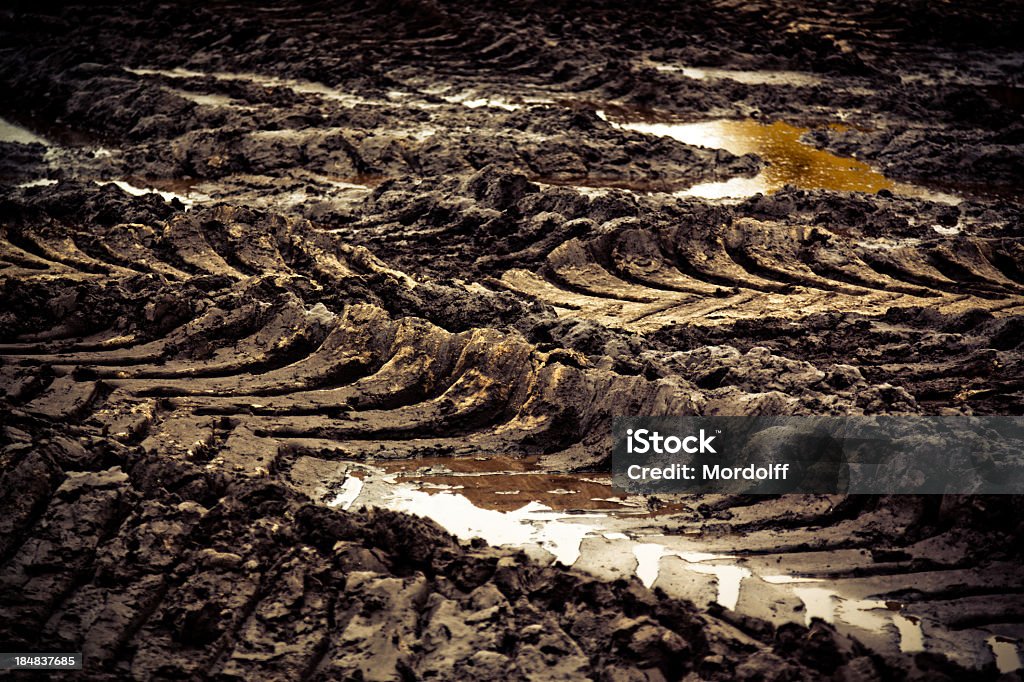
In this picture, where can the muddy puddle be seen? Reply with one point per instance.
(580, 521)
(12, 132)
(504, 484)
(188, 198)
(26, 129)
(789, 160)
(752, 77)
(473, 100)
(303, 87)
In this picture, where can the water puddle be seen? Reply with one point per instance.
(471, 100)
(348, 493)
(295, 85)
(791, 78)
(504, 484)
(790, 161)
(872, 615)
(38, 182)
(533, 523)
(911, 634)
(167, 196)
(496, 499)
(11, 132)
(1006, 653)
(578, 521)
(349, 186)
(728, 577)
(204, 99)
(50, 134)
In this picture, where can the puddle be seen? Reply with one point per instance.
(203, 99)
(648, 558)
(26, 130)
(818, 603)
(504, 484)
(733, 188)
(786, 579)
(789, 160)
(295, 85)
(527, 526)
(911, 634)
(510, 502)
(38, 182)
(344, 185)
(792, 78)
(727, 576)
(471, 101)
(348, 493)
(873, 615)
(140, 191)
(10, 132)
(533, 523)
(1006, 653)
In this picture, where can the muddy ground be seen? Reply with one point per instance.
(314, 318)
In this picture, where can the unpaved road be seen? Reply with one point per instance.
(273, 278)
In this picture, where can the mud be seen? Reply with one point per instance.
(314, 318)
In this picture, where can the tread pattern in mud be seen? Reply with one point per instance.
(445, 251)
(226, 345)
(148, 517)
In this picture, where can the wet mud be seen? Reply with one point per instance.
(314, 319)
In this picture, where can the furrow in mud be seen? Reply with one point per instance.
(276, 280)
(260, 376)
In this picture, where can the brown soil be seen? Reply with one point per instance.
(413, 245)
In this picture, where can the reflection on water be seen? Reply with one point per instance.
(1006, 654)
(790, 161)
(872, 615)
(204, 99)
(499, 499)
(38, 182)
(531, 523)
(9, 132)
(26, 129)
(348, 493)
(911, 634)
(506, 484)
(469, 101)
(728, 577)
(140, 191)
(791, 78)
(293, 84)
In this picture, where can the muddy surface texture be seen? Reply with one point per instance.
(314, 319)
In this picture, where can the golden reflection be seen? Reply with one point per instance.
(790, 161)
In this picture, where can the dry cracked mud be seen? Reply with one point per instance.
(314, 318)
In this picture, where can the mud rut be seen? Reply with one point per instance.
(399, 250)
